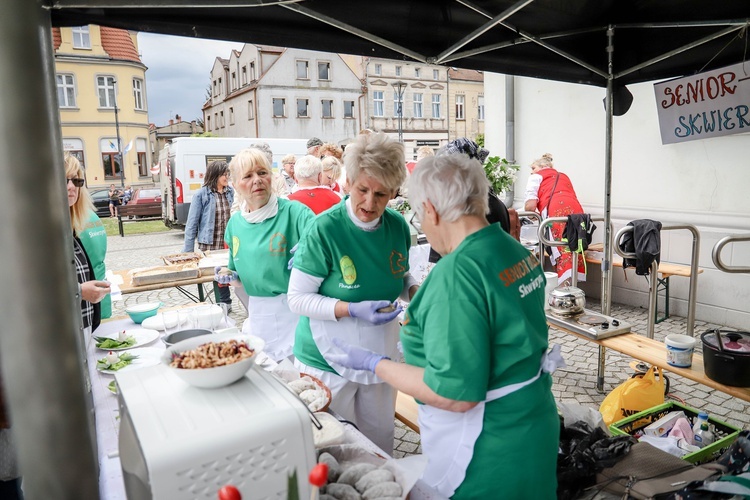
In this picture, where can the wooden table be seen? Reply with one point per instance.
(637, 346)
(654, 353)
(128, 287)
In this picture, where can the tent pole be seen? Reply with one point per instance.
(40, 338)
(607, 261)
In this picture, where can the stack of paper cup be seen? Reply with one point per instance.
(551, 285)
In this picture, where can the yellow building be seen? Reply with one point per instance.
(97, 67)
(466, 103)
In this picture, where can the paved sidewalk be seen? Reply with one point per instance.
(576, 383)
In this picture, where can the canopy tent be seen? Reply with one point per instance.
(597, 42)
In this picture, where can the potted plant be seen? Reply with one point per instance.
(501, 174)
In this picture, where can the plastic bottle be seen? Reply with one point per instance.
(702, 418)
(704, 436)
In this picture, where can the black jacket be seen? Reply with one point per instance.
(645, 242)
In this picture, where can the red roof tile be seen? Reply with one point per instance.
(118, 44)
(465, 74)
(56, 38)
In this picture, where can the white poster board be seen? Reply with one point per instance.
(709, 104)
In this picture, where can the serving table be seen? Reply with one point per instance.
(106, 408)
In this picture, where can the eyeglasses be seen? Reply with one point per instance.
(76, 182)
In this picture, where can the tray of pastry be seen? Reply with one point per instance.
(182, 258)
(163, 274)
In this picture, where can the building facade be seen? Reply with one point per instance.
(466, 103)
(285, 93)
(98, 69)
(161, 136)
(421, 90)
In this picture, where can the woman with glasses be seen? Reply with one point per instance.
(91, 290)
(475, 341)
(349, 269)
(208, 217)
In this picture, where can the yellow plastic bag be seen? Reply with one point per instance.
(635, 394)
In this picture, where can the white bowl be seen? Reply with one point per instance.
(207, 317)
(209, 378)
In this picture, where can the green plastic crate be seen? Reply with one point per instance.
(724, 433)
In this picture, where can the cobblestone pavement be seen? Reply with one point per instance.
(576, 383)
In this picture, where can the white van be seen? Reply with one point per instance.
(183, 164)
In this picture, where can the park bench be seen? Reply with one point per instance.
(140, 212)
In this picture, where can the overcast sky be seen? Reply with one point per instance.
(178, 73)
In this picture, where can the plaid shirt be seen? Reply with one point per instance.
(220, 222)
(84, 274)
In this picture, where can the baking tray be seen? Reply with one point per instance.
(163, 274)
(177, 259)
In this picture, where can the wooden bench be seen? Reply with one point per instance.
(141, 212)
(406, 411)
(666, 270)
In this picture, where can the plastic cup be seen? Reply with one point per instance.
(680, 350)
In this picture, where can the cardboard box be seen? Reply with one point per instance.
(661, 427)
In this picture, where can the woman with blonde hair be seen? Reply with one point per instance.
(551, 194)
(331, 174)
(261, 236)
(91, 290)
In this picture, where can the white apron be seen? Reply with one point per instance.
(270, 319)
(381, 339)
(448, 437)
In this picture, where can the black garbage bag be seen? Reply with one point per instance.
(583, 452)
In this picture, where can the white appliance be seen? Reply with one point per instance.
(181, 442)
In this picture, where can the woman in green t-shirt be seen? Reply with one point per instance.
(475, 344)
(352, 263)
(261, 237)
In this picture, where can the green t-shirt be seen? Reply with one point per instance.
(355, 265)
(94, 241)
(477, 323)
(260, 252)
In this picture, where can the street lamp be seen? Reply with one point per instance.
(398, 88)
(117, 131)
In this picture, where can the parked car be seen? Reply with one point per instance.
(100, 197)
(147, 195)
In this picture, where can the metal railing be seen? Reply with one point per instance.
(653, 278)
(533, 215)
(559, 243)
(716, 253)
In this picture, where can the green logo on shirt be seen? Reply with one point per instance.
(348, 271)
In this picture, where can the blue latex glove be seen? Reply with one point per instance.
(355, 358)
(224, 280)
(368, 310)
(290, 264)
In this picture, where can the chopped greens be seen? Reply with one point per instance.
(124, 360)
(109, 343)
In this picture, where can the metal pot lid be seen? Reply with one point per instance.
(567, 291)
(731, 341)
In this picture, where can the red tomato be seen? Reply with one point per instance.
(318, 475)
(229, 492)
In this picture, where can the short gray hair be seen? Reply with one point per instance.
(455, 184)
(263, 146)
(378, 156)
(307, 167)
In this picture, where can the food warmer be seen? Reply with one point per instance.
(178, 441)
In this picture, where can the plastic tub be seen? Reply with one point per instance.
(680, 350)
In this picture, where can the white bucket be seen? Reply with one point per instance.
(679, 350)
(551, 285)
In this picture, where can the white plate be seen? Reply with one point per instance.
(157, 322)
(142, 336)
(147, 356)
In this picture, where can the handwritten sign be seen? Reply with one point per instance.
(710, 104)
